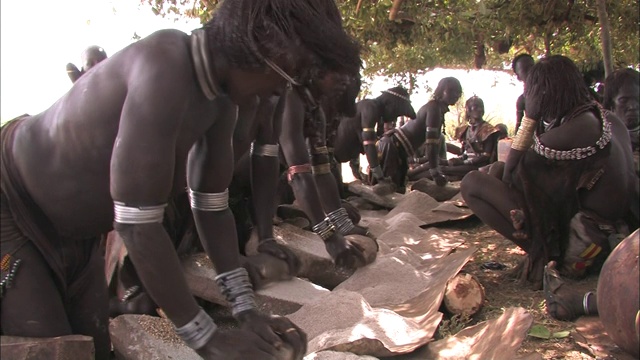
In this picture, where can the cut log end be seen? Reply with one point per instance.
(464, 295)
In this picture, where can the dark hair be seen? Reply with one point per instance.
(444, 84)
(615, 81)
(553, 88)
(523, 56)
(248, 31)
(473, 99)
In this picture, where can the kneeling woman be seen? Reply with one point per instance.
(568, 183)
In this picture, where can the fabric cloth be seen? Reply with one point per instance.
(393, 159)
(591, 239)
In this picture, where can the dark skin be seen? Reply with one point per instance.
(304, 185)
(456, 166)
(431, 115)
(349, 142)
(488, 195)
(91, 56)
(626, 105)
(139, 144)
(521, 69)
(269, 118)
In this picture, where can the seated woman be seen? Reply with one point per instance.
(568, 182)
(622, 96)
(479, 141)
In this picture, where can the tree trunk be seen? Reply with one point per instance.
(394, 9)
(605, 37)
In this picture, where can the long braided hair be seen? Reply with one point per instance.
(246, 32)
(554, 88)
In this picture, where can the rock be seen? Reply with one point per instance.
(344, 321)
(316, 263)
(429, 244)
(366, 192)
(368, 245)
(290, 211)
(428, 210)
(618, 296)
(302, 223)
(389, 281)
(335, 355)
(464, 295)
(142, 337)
(74, 347)
(376, 225)
(286, 297)
(280, 298)
(361, 203)
(440, 193)
(494, 339)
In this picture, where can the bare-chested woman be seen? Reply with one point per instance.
(113, 151)
(568, 182)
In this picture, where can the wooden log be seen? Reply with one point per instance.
(464, 295)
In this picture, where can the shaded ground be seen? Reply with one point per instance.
(503, 293)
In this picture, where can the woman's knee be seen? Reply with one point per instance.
(471, 183)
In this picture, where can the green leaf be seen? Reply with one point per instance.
(560, 334)
(540, 332)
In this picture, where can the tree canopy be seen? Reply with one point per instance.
(468, 33)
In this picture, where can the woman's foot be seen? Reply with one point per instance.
(562, 302)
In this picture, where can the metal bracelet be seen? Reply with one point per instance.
(209, 201)
(270, 150)
(585, 302)
(197, 332)
(368, 130)
(324, 229)
(124, 214)
(236, 287)
(341, 220)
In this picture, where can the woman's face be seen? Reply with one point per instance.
(475, 111)
(626, 103)
(451, 94)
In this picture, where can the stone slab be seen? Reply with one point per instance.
(278, 298)
(428, 210)
(142, 337)
(70, 347)
(316, 263)
(344, 321)
(493, 339)
(366, 192)
(440, 193)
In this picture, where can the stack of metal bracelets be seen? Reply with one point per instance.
(237, 289)
(324, 229)
(524, 137)
(197, 332)
(341, 220)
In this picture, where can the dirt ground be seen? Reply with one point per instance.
(502, 293)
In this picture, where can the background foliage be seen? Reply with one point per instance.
(468, 33)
